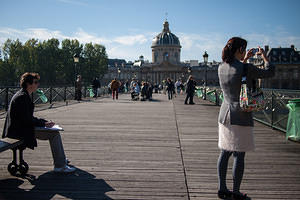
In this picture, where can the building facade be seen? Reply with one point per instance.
(166, 47)
(287, 63)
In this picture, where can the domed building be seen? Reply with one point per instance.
(166, 46)
(166, 63)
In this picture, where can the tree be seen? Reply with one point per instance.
(54, 64)
(95, 61)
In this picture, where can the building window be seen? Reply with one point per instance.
(296, 73)
(176, 57)
(166, 56)
(155, 57)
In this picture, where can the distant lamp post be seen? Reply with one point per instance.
(76, 60)
(205, 59)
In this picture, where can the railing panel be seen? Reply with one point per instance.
(53, 94)
(275, 113)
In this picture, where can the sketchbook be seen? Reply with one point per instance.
(53, 128)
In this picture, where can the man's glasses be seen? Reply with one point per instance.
(36, 82)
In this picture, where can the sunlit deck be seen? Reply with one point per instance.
(148, 150)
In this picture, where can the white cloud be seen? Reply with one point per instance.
(74, 2)
(131, 39)
(85, 37)
(136, 43)
(194, 45)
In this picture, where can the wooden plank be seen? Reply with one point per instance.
(131, 150)
(271, 171)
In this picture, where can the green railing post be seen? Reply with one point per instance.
(50, 96)
(272, 108)
(65, 93)
(216, 95)
(84, 93)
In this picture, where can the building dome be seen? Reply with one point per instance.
(165, 37)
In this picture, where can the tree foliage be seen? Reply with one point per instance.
(52, 60)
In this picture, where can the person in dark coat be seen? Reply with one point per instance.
(78, 87)
(190, 90)
(95, 85)
(170, 88)
(235, 126)
(20, 123)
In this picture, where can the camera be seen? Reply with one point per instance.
(255, 50)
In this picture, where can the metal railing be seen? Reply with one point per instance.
(53, 94)
(275, 113)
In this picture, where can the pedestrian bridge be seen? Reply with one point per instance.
(148, 150)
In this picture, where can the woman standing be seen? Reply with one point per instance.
(235, 126)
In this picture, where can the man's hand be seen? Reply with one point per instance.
(49, 124)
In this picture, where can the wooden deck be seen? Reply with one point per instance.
(148, 150)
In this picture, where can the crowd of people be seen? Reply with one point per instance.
(141, 90)
(144, 90)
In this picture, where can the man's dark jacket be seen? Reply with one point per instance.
(19, 122)
(96, 83)
(190, 86)
(170, 86)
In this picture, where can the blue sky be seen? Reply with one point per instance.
(127, 27)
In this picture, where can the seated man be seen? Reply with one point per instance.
(135, 92)
(20, 123)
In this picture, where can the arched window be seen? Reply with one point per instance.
(176, 57)
(166, 56)
(155, 57)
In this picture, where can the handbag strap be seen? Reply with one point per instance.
(244, 74)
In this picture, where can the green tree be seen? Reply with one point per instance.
(94, 61)
(55, 64)
(69, 48)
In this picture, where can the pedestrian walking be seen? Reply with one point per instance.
(114, 86)
(236, 126)
(78, 87)
(190, 90)
(95, 86)
(170, 87)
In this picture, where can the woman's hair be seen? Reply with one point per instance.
(234, 44)
(28, 78)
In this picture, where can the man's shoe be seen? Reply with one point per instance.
(185, 103)
(240, 196)
(65, 169)
(192, 103)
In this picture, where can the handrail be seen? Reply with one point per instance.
(53, 94)
(275, 113)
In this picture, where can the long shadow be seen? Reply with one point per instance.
(79, 185)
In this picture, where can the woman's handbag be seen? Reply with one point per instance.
(251, 100)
